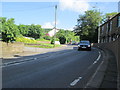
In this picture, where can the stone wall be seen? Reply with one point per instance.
(114, 46)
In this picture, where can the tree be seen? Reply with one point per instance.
(35, 31)
(108, 16)
(65, 36)
(87, 25)
(9, 30)
(23, 29)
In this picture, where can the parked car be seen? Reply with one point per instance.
(84, 45)
(73, 43)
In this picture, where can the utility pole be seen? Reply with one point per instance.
(99, 31)
(55, 25)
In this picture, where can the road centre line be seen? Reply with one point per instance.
(75, 81)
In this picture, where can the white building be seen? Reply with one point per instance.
(52, 32)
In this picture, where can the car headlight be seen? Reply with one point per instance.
(88, 45)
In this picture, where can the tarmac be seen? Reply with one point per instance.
(104, 77)
(28, 51)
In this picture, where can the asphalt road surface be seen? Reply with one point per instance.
(68, 68)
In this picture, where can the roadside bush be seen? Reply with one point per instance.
(62, 40)
(25, 40)
(52, 41)
(56, 39)
(47, 37)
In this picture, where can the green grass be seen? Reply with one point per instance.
(42, 39)
(44, 45)
(39, 45)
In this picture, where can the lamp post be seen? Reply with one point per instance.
(55, 25)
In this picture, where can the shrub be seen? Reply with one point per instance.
(52, 41)
(47, 37)
(62, 40)
(25, 40)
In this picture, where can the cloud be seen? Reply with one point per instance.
(49, 24)
(75, 5)
(70, 29)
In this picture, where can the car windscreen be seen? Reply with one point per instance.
(85, 42)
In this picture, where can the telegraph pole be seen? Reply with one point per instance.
(55, 25)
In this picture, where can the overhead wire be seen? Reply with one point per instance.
(31, 9)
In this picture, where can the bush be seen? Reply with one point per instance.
(56, 39)
(62, 40)
(25, 40)
(47, 38)
(52, 41)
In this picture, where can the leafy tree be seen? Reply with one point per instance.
(108, 16)
(9, 30)
(65, 36)
(35, 31)
(46, 37)
(87, 25)
(23, 29)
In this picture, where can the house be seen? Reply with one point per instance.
(110, 30)
(52, 32)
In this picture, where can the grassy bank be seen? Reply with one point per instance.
(40, 43)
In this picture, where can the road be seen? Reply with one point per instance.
(68, 68)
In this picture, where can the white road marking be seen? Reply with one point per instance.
(16, 62)
(97, 58)
(94, 74)
(75, 81)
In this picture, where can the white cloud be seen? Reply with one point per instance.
(53, 23)
(70, 29)
(49, 24)
(74, 5)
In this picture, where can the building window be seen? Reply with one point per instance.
(110, 26)
(102, 29)
(118, 21)
(107, 28)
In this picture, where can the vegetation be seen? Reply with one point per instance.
(41, 45)
(108, 16)
(9, 29)
(86, 29)
(87, 25)
(66, 36)
(12, 32)
(25, 40)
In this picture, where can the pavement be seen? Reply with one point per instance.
(105, 76)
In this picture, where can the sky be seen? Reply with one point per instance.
(43, 13)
